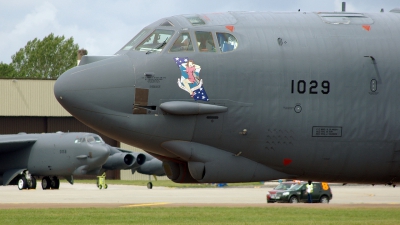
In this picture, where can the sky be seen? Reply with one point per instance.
(103, 27)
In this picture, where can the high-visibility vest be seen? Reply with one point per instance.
(309, 188)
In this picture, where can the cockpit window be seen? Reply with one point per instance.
(79, 140)
(155, 41)
(345, 18)
(136, 39)
(227, 42)
(167, 24)
(98, 139)
(90, 139)
(195, 20)
(183, 43)
(205, 41)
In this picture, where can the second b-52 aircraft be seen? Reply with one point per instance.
(24, 157)
(252, 96)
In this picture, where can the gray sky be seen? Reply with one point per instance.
(103, 27)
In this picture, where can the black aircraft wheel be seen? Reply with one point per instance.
(324, 199)
(55, 183)
(46, 183)
(105, 186)
(293, 199)
(32, 184)
(100, 187)
(149, 185)
(22, 183)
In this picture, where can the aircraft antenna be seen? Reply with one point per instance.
(343, 6)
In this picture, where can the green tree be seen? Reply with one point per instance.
(45, 59)
(7, 71)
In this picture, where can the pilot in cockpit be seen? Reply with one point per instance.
(183, 43)
(205, 41)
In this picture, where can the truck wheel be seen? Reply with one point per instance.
(324, 199)
(293, 199)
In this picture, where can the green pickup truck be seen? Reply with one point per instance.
(298, 193)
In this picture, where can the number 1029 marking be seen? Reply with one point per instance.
(302, 87)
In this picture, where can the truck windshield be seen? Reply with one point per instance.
(284, 186)
(296, 187)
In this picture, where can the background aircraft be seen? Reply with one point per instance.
(26, 156)
(252, 96)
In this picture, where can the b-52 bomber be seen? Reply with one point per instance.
(26, 156)
(252, 96)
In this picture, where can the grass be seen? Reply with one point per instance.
(167, 183)
(202, 215)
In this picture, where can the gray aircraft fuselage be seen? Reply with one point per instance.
(311, 96)
(51, 154)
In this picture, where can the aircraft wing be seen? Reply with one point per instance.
(16, 144)
(124, 151)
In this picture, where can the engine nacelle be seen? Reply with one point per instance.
(152, 166)
(207, 164)
(119, 161)
(178, 172)
(140, 159)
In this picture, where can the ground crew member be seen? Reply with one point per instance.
(309, 191)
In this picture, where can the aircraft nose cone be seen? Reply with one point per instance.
(92, 87)
(66, 87)
(100, 154)
(104, 152)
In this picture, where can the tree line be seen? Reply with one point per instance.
(42, 59)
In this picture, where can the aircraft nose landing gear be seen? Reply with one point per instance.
(26, 181)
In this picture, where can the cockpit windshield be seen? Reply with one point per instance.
(79, 140)
(156, 41)
(136, 39)
(98, 139)
(90, 139)
(183, 43)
